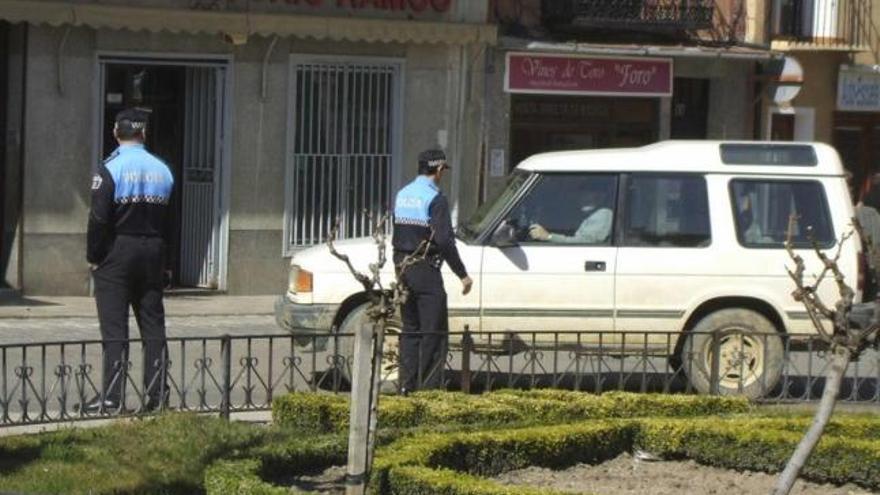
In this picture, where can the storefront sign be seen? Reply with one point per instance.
(564, 74)
(858, 91)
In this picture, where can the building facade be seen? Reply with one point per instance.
(834, 45)
(591, 74)
(279, 119)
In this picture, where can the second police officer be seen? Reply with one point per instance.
(421, 212)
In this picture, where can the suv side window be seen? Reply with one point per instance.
(762, 209)
(666, 211)
(567, 208)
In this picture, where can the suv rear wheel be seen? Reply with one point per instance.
(751, 353)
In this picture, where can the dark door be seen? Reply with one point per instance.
(782, 127)
(159, 90)
(4, 94)
(690, 108)
(857, 139)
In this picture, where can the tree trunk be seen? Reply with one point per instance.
(839, 362)
(359, 419)
(379, 343)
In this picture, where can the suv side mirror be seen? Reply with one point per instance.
(504, 236)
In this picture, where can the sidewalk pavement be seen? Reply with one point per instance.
(15, 306)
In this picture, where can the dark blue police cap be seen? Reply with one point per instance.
(432, 160)
(132, 120)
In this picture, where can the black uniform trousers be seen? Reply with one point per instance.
(132, 275)
(424, 340)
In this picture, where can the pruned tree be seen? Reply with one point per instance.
(370, 347)
(845, 338)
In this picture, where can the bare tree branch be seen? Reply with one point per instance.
(360, 277)
(845, 344)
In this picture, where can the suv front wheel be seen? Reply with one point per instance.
(345, 348)
(750, 353)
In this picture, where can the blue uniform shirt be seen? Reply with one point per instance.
(130, 196)
(421, 212)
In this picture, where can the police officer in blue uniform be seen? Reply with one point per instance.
(129, 226)
(421, 214)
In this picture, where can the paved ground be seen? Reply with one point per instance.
(48, 319)
(26, 330)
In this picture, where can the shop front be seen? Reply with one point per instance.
(560, 96)
(280, 121)
(857, 120)
(565, 102)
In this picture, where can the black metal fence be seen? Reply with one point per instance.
(46, 382)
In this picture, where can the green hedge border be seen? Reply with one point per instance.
(239, 477)
(450, 463)
(324, 413)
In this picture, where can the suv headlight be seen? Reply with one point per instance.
(299, 280)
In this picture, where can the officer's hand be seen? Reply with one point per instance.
(538, 233)
(466, 284)
(93, 267)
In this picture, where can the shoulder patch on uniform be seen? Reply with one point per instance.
(96, 182)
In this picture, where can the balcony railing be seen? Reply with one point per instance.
(681, 15)
(821, 24)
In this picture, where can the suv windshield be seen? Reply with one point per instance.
(489, 210)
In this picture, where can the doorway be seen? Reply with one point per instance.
(857, 140)
(187, 104)
(690, 108)
(5, 238)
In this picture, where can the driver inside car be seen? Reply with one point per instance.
(595, 228)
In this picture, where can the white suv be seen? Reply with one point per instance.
(694, 246)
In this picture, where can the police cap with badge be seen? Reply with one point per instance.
(431, 161)
(131, 121)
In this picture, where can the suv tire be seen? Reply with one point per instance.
(345, 347)
(751, 353)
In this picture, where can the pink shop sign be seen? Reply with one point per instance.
(565, 74)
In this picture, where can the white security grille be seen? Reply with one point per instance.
(202, 125)
(343, 122)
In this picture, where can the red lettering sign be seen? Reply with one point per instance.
(563, 74)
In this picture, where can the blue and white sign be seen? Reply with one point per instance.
(858, 90)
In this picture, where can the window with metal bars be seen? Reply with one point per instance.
(342, 148)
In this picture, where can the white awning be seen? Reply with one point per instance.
(56, 13)
(726, 52)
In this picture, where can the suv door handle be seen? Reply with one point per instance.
(594, 266)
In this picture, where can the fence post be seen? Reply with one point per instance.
(226, 357)
(716, 364)
(467, 345)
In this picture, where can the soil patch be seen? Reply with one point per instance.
(626, 475)
(331, 481)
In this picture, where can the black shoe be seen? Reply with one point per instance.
(154, 404)
(98, 406)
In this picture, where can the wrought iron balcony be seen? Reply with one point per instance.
(822, 24)
(680, 15)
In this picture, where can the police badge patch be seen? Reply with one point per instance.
(96, 182)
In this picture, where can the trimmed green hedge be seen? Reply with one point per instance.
(492, 453)
(328, 413)
(765, 444)
(413, 465)
(419, 480)
(303, 455)
(241, 477)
